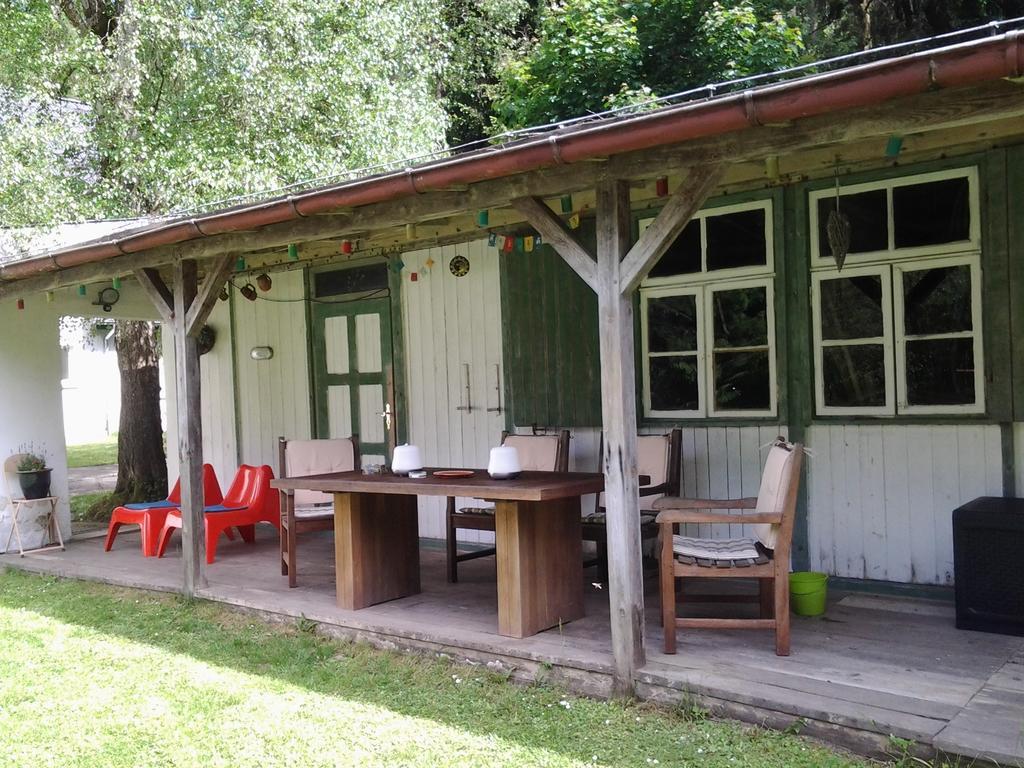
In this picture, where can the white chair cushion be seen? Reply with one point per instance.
(317, 457)
(652, 460)
(537, 453)
(771, 498)
(314, 511)
(715, 549)
(476, 511)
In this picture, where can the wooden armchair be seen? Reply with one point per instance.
(659, 457)
(305, 511)
(764, 557)
(544, 453)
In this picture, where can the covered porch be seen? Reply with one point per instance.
(874, 667)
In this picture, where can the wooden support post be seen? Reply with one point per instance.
(190, 430)
(618, 412)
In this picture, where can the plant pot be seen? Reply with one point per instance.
(807, 592)
(35, 484)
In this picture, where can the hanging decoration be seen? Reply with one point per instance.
(520, 244)
(771, 166)
(508, 244)
(346, 246)
(528, 244)
(397, 265)
(459, 266)
(21, 303)
(837, 229)
(81, 290)
(661, 186)
(116, 283)
(429, 263)
(264, 282)
(206, 338)
(49, 297)
(492, 239)
(574, 221)
(414, 277)
(293, 252)
(249, 291)
(107, 298)
(410, 231)
(566, 203)
(482, 218)
(894, 146)
(224, 295)
(240, 263)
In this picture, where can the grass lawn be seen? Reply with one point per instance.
(80, 504)
(92, 675)
(93, 454)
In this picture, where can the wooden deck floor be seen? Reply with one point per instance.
(871, 667)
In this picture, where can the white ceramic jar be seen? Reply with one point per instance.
(504, 463)
(406, 459)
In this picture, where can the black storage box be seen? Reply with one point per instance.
(988, 563)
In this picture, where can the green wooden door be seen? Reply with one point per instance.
(353, 376)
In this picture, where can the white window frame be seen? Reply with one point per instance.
(706, 276)
(709, 333)
(703, 301)
(884, 273)
(973, 243)
(975, 334)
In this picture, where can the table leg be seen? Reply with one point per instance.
(376, 548)
(540, 565)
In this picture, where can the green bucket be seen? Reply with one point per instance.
(807, 592)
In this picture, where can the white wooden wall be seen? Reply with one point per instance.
(273, 395)
(451, 322)
(881, 498)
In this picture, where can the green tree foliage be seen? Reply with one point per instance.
(593, 54)
(479, 34)
(129, 107)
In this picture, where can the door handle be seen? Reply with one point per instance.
(468, 407)
(497, 388)
(386, 415)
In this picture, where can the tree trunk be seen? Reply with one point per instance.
(141, 463)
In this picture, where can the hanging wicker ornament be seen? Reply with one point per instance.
(838, 231)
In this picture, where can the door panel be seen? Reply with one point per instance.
(352, 373)
(454, 363)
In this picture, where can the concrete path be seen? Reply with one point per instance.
(92, 479)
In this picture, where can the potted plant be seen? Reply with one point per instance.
(33, 475)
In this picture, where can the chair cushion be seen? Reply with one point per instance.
(651, 460)
(143, 505)
(314, 511)
(715, 549)
(771, 498)
(317, 457)
(476, 511)
(221, 508)
(537, 453)
(601, 518)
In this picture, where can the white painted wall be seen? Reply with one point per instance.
(450, 323)
(30, 402)
(881, 498)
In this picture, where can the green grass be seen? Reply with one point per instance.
(93, 675)
(87, 507)
(93, 454)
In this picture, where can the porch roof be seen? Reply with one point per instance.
(940, 89)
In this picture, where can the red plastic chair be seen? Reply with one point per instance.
(249, 500)
(150, 515)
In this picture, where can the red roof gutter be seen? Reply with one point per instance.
(959, 65)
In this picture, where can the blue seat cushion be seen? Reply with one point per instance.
(221, 508)
(141, 505)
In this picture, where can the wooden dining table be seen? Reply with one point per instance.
(537, 539)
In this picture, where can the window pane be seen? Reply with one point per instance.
(683, 256)
(940, 372)
(851, 308)
(736, 240)
(742, 381)
(854, 375)
(672, 324)
(937, 300)
(741, 317)
(936, 212)
(674, 383)
(869, 221)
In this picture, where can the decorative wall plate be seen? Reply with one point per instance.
(459, 266)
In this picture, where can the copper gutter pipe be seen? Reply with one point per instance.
(958, 65)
